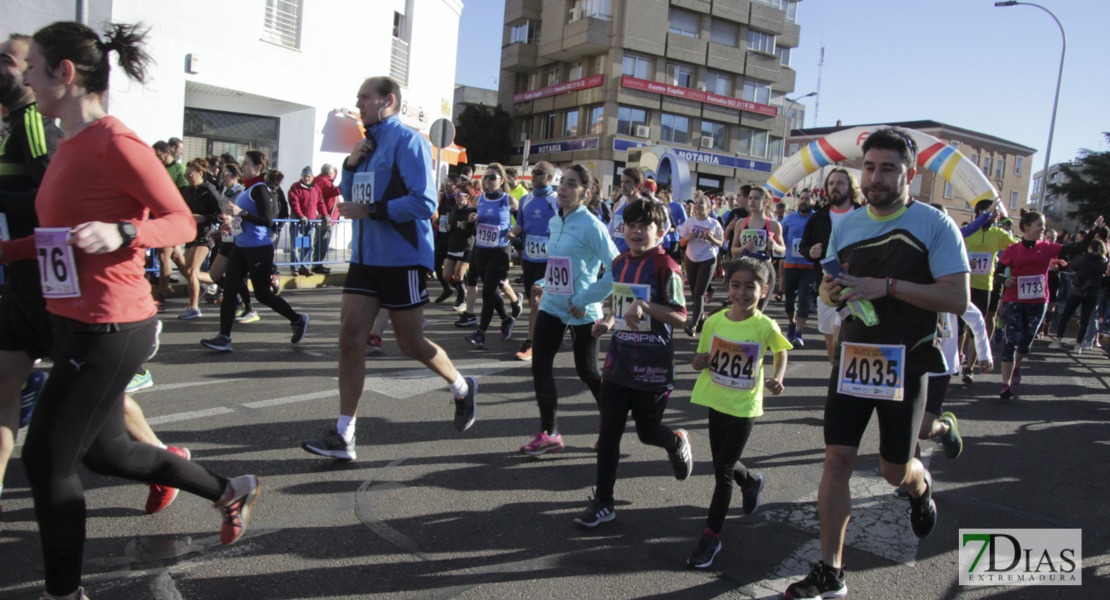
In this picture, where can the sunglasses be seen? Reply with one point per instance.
(538, 172)
(492, 177)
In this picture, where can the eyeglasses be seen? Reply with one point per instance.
(538, 172)
(492, 177)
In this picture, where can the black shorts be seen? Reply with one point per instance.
(938, 389)
(985, 301)
(397, 288)
(24, 322)
(532, 272)
(846, 419)
(486, 259)
(224, 248)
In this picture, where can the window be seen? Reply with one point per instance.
(774, 148)
(717, 131)
(753, 142)
(571, 128)
(684, 22)
(525, 33)
(761, 42)
(1000, 169)
(553, 76)
(680, 75)
(599, 64)
(597, 9)
(629, 118)
(676, 128)
(724, 32)
(783, 54)
(575, 71)
(774, 3)
(399, 56)
(987, 166)
(757, 91)
(596, 123)
(974, 159)
(212, 132)
(796, 117)
(792, 11)
(282, 23)
(547, 126)
(1037, 185)
(1018, 163)
(718, 83)
(1013, 200)
(637, 66)
(947, 189)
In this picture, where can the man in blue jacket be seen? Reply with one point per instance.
(389, 192)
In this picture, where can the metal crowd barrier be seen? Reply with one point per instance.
(298, 244)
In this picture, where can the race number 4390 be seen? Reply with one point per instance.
(57, 267)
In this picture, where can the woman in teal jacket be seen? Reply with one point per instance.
(577, 249)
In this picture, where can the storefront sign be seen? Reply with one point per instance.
(701, 158)
(554, 90)
(697, 95)
(566, 146)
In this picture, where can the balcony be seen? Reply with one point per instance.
(685, 48)
(761, 66)
(584, 37)
(733, 10)
(516, 10)
(519, 57)
(767, 18)
(399, 62)
(725, 58)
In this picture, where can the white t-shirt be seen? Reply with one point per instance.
(699, 249)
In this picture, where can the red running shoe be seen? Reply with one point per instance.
(236, 506)
(161, 496)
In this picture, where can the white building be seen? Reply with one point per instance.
(274, 75)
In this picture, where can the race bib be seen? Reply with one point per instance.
(535, 247)
(616, 228)
(980, 262)
(872, 371)
(623, 296)
(443, 223)
(759, 235)
(699, 233)
(794, 253)
(1030, 287)
(362, 191)
(57, 268)
(558, 279)
(236, 226)
(487, 236)
(5, 234)
(735, 365)
(946, 326)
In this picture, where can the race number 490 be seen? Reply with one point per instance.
(558, 278)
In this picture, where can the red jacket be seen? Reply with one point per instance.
(330, 192)
(306, 201)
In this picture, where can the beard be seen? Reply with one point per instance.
(889, 199)
(836, 199)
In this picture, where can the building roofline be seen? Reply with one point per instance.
(919, 125)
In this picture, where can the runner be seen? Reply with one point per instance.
(843, 195)
(441, 225)
(232, 186)
(703, 236)
(730, 358)
(631, 180)
(533, 219)
(647, 304)
(492, 231)
(389, 191)
(101, 310)
(204, 202)
(1089, 268)
(572, 293)
(1024, 295)
(798, 273)
(677, 215)
(909, 261)
(983, 245)
(759, 235)
(250, 217)
(460, 242)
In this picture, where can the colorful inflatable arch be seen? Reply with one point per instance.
(664, 165)
(937, 156)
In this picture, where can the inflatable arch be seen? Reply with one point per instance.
(664, 165)
(933, 154)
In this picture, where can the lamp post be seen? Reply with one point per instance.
(786, 120)
(1056, 100)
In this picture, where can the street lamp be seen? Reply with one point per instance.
(1056, 100)
(786, 120)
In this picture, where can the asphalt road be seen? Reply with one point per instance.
(427, 512)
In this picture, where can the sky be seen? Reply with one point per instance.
(966, 63)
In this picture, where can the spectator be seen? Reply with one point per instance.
(306, 203)
(326, 182)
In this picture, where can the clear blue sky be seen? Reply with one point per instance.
(961, 62)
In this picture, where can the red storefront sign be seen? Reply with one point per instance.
(571, 86)
(698, 95)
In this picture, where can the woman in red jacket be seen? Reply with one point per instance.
(94, 207)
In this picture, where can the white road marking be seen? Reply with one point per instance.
(192, 414)
(177, 386)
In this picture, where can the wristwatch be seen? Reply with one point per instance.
(127, 233)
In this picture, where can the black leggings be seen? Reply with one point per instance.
(727, 437)
(493, 267)
(1086, 306)
(647, 410)
(549, 337)
(79, 419)
(699, 275)
(256, 263)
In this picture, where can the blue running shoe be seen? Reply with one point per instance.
(29, 396)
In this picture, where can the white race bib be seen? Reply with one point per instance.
(735, 365)
(872, 371)
(535, 247)
(623, 296)
(616, 228)
(558, 279)
(57, 268)
(487, 236)
(794, 253)
(443, 223)
(1031, 287)
(980, 262)
(362, 191)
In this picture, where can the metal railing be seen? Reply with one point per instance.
(298, 245)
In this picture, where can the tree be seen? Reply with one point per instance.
(485, 133)
(1086, 183)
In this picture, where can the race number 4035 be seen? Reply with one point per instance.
(872, 371)
(558, 278)
(57, 267)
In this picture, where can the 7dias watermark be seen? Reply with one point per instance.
(1021, 557)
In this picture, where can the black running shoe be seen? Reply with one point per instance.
(923, 511)
(445, 296)
(466, 408)
(595, 514)
(332, 445)
(708, 547)
(466, 320)
(516, 308)
(751, 496)
(220, 342)
(300, 326)
(822, 582)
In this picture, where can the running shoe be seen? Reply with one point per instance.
(236, 506)
(139, 381)
(248, 317)
(525, 352)
(951, 440)
(543, 443)
(374, 342)
(706, 550)
(29, 396)
(300, 326)
(1016, 379)
(478, 338)
(275, 284)
(1006, 393)
(752, 495)
(689, 330)
(303, 271)
(80, 595)
(445, 296)
(595, 514)
(220, 342)
(516, 308)
(923, 511)
(822, 582)
(682, 460)
(791, 331)
(507, 328)
(466, 408)
(709, 295)
(1084, 347)
(161, 496)
(191, 312)
(466, 320)
(701, 323)
(215, 297)
(331, 445)
(460, 304)
(798, 342)
(1056, 345)
(210, 289)
(968, 377)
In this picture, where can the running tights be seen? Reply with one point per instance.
(494, 268)
(545, 345)
(727, 437)
(256, 263)
(699, 275)
(647, 409)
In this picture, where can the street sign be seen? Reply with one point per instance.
(527, 149)
(442, 133)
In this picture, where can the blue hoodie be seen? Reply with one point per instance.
(399, 173)
(584, 240)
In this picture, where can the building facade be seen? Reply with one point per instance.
(274, 75)
(591, 81)
(1006, 164)
(466, 96)
(1056, 207)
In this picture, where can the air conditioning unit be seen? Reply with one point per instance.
(523, 137)
(575, 14)
(642, 131)
(705, 142)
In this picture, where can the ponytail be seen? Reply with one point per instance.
(77, 43)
